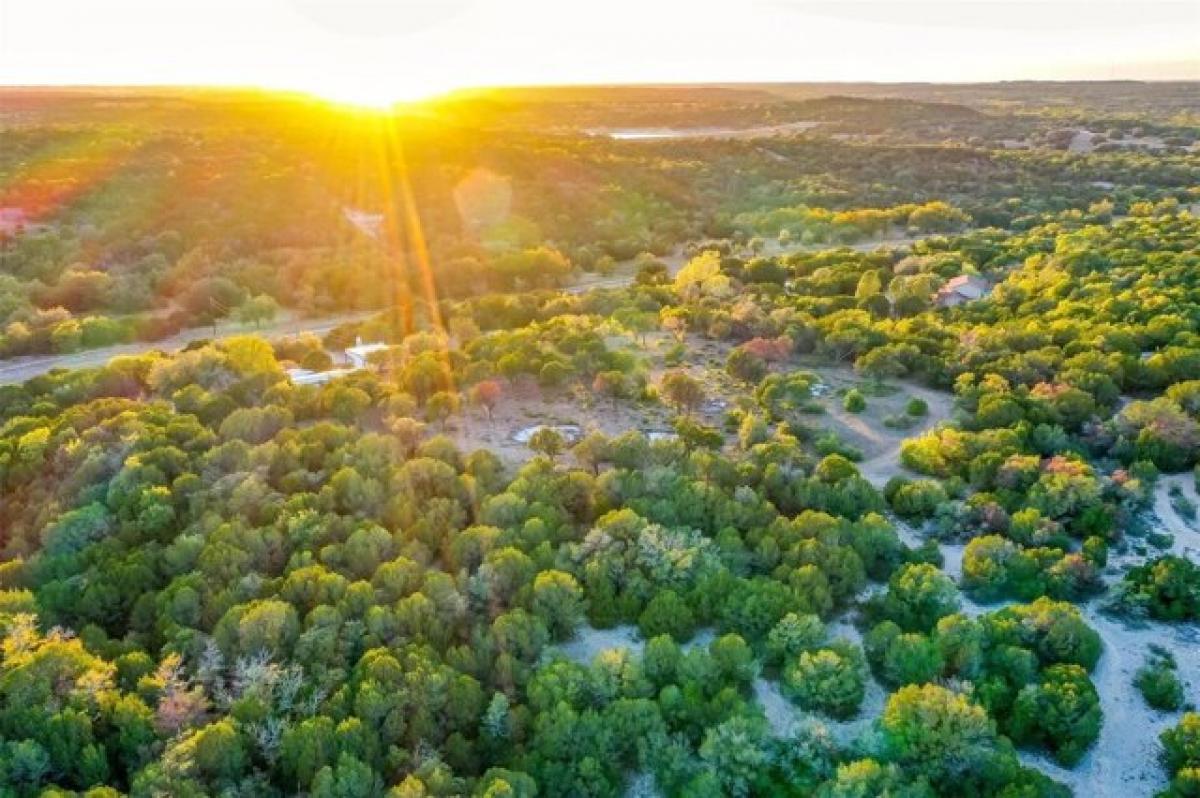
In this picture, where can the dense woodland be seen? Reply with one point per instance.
(214, 581)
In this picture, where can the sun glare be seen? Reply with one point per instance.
(376, 95)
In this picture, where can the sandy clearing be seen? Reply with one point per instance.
(908, 535)
(523, 405)
(884, 464)
(1124, 760)
(952, 555)
(641, 785)
(1081, 142)
(1186, 533)
(784, 717)
(589, 642)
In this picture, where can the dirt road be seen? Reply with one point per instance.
(20, 369)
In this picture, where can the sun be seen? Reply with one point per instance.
(375, 95)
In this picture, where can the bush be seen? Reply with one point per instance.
(829, 680)
(1062, 713)
(854, 402)
(1181, 753)
(1158, 684)
(830, 443)
(917, 597)
(900, 422)
(1182, 505)
(911, 658)
(1167, 589)
(794, 634)
(916, 407)
(917, 499)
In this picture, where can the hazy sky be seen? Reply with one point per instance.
(371, 50)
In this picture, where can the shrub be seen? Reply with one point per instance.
(854, 402)
(1181, 754)
(916, 407)
(1158, 684)
(795, 633)
(830, 443)
(1062, 713)
(918, 499)
(1167, 588)
(829, 680)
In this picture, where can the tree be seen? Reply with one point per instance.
(910, 658)
(1181, 752)
(701, 277)
(682, 391)
(219, 751)
(639, 322)
(487, 394)
(835, 468)
(558, 601)
(932, 732)
(441, 406)
(795, 633)
(547, 441)
(350, 778)
(744, 365)
(651, 272)
(256, 310)
(667, 614)
(918, 596)
(736, 752)
(408, 433)
(918, 498)
(869, 285)
(613, 384)
(695, 435)
(830, 680)
(543, 266)
(1061, 713)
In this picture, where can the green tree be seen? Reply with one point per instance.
(667, 614)
(558, 602)
(932, 732)
(547, 441)
(682, 391)
(829, 680)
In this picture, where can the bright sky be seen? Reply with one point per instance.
(376, 50)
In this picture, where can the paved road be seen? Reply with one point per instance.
(20, 369)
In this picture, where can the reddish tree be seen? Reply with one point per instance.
(487, 395)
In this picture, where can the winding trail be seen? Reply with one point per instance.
(1185, 533)
(1124, 762)
(880, 468)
